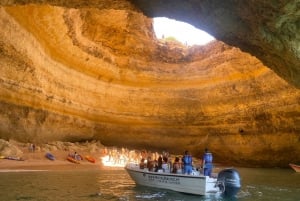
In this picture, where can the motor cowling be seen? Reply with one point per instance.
(229, 182)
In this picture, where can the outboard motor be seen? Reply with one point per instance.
(229, 182)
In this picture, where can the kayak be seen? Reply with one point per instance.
(14, 158)
(50, 156)
(90, 159)
(295, 167)
(72, 160)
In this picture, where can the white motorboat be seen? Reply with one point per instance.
(227, 182)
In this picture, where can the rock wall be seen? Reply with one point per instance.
(268, 30)
(83, 72)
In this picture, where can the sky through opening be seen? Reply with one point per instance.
(183, 32)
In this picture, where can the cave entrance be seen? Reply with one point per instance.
(182, 32)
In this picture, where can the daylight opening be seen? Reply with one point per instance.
(185, 33)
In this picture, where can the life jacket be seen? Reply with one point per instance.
(208, 157)
(187, 160)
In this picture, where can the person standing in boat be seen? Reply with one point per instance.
(150, 164)
(187, 163)
(159, 162)
(176, 165)
(207, 162)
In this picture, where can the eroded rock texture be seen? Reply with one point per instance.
(269, 30)
(78, 70)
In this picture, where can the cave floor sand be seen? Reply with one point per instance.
(37, 161)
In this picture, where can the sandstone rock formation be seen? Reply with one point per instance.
(9, 149)
(267, 29)
(83, 70)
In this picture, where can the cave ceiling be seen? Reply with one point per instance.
(94, 70)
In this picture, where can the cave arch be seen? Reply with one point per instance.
(267, 30)
(93, 70)
(186, 34)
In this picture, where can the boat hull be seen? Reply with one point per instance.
(50, 156)
(90, 159)
(191, 184)
(72, 160)
(295, 167)
(15, 158)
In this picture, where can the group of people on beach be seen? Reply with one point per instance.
(31, 148)
(75, 156)
(183, 165)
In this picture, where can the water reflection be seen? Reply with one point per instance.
(116, 185)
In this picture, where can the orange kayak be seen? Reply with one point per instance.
(69, 158)
(90, 159)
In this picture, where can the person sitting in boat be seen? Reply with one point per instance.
(187, 163)
(77, 156)
(207, 162)
(176, 165)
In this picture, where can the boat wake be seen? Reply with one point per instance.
(151, 195)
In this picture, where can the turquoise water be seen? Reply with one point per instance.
(116, 185)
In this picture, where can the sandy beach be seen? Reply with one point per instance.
(37, 160)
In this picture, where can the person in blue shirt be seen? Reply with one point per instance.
(187, 163)
(207, 163)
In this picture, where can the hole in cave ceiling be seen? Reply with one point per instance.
(183, 32)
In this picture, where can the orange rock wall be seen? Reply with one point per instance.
(75, 74)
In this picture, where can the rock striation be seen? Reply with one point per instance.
(76, 71)
(268, 30)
